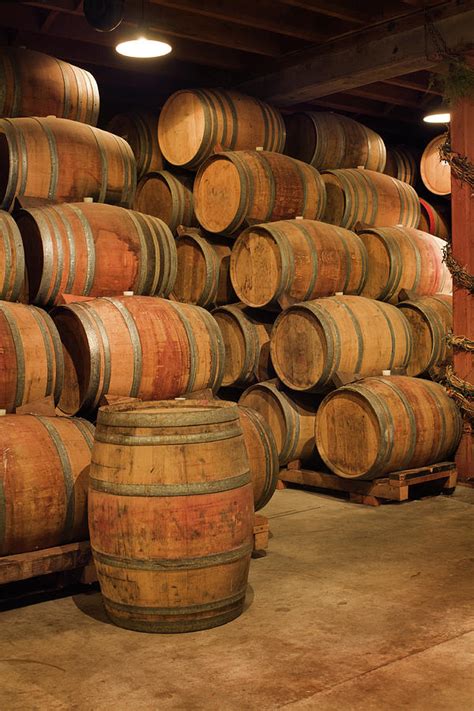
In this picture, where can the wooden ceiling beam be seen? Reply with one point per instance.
(348, 11)
(364, 108)
(169, 23)
(406, 83)
(362, 58)
(380, 92)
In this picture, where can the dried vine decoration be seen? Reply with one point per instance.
(461, 277)
(458, 82)
(461, 166)
(461, 342)
(461, 391)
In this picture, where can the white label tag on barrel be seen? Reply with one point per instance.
(128, 293)
(299, 217)
(386, 372)
(361, 167)
(259, 148)
(88, 199)
(339, 293)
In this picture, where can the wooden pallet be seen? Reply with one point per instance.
(71, 556)
(398, 486)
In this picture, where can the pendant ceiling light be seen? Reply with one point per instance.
(142, 47)
(440, 113)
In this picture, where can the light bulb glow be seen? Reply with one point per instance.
(143, 48)
(438, 117)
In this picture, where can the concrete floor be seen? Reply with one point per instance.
(353, 609)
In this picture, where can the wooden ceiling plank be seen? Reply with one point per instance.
(357, 63)
(406, 83)
(332, 8)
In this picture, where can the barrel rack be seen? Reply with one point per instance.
(398, 486)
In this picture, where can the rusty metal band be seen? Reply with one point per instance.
(53, 152)
(347, 254)
(392, 247)
(19, 262)
(6, 235)
(11, 135)
(104, 176)
(90, 248)
(135, 343)
(176, 416)
(158, 490)
(127, 176)
(156, 564)
(221, 97)
(250, 339)
(57, 247)
(176, 611)
(163, 267)
(360, 341)
(130, 168)
(193, 354)
(96, 337)
(172, 260)
(66, 469)
(170, 627)
(58, 352)
(60, 212)
(411, 418)
(271, 456)
(211, 262)
(314, 260)
(66, 92)
(50, 363)
(80, 72)
(42, 295)
(86, 429)
(216, 373)
(287, 258)
(331, 334)
(175, 439)
(19, 353)
(145, 261)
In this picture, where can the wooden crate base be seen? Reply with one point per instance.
(261, 532)
(71, 556)
(398, 486)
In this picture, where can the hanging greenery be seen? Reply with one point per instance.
(458, 83)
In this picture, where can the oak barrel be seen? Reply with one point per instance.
(328, 140)
(35, 84)
(203, 275)
(44, 481)
(136, 346)
(381, 425)
(240, 188)
(140, 130)
(31, 366)
(311, 342)
(402, 164)
(12, 259)
(403, 258)
(246, 336)
(89, 249)
(434, 220)
(430, 319)
(262, 455)
(296, 260)
(194, 121)
(290, 417)
(435, 173)
(370, 198)
(171, 514)
(58, 160)
(168, 196)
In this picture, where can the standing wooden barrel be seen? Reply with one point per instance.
(328, 140)
(43, 480)
(12, 259)
(203, 276)
(403, 258)
(168, 196)
(246, 336)
(430, 319)
(31, 366)
(381, 425)
(89, 249)
(290, 417)
(140, 130)
(402, 164)
(296, 260)
(194, 121)
(240, 188)
(57, 160)
(34, 84)
(313, 341)
(433, 220)
(171, 514)
(370, 198)
(262, 455)
(136, 346)
(435, 173)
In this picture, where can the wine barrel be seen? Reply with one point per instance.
(370, 198)
(43, 481)
(139, 129)
(171, 514)
(58, 160)
(313, 341)
(203, 276)
(12, 259)
(89, 249)
(403, 258)
(262, 455)
(35, 84)
(31, 366)
(328, 140)
(402, 164)
(194, 121)
(381, 425)
(240, 188)
(290, 417)
(435, 173)
(246, 336)
(430, 319)
(296, 260)
(136, 346)
(433, 221)
(167, 196)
